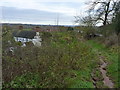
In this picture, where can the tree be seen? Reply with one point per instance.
(116, 20)
(86, 21)
(103, 10)
(99, 11)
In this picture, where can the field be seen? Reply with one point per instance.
(65, 60)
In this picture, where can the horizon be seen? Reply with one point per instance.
(37, 24)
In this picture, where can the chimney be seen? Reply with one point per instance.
(37, 29)
(20, 27)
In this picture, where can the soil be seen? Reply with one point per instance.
(107, 82)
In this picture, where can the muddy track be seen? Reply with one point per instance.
(107, 82)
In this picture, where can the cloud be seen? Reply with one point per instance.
(29, 1)
(46, 5)
(11, 14)
(66, 8)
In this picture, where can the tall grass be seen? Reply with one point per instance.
(63, 62)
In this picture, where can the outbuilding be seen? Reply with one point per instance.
(27, 36)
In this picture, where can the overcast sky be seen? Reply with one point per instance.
(42, 11)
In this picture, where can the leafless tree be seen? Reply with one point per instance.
(103, 10)
(116, 19)
(99, 11)
(86, 21)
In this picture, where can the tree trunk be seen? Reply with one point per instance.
(106, 13)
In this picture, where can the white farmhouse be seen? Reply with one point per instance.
(27, 36)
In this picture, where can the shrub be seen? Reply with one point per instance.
(111, 40)
(52, 63)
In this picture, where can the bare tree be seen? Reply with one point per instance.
(103, 10)
(99, 11)
(116, 19)
(117, 8)
(86, 21)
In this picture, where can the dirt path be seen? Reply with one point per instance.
(107, 82)
(99, 50)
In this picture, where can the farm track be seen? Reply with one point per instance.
(107, 82)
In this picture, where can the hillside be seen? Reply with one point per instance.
(65, 60)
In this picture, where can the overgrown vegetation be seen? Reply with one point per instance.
(63, 62)
(68, 59)
(111, 55)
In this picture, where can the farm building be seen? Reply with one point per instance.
(27, 36)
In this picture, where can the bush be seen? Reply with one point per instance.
(111, 40)
(50, 64)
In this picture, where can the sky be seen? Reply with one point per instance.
(46, 12)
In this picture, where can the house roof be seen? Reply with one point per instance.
(24, 34)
